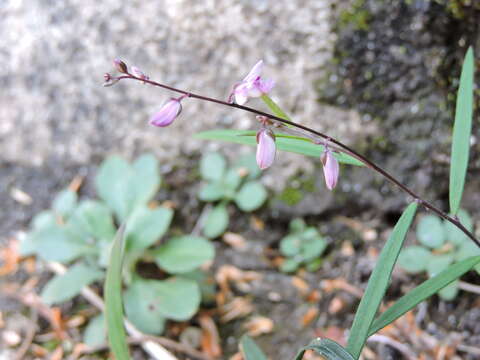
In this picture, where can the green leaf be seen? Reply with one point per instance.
(145, 226)
(250, 350)
(95, 333)
(251, 196)
(212, 166)
(65, 202)
(454, 234)
(378, 282)
(184, 253)
(216, 222)
(297, 225)
(178, 298)
(113, 299)
(312, 249)
(141, 306)
(314, 265)
(124, 187)
(248, 162)
(43, 219)
(149, 302)
(144, 181)
(290, 245)
(94, 219)
(430, 231)
(289, 144)
(438, 263)
(212, 191)
(449, 292)
(289, 265)
(327, 348)
(461, 133)
(466, 250)
(422, 292)
(64, 287)
(232, 180)
(110, 184)
(277, 111)
(414, 259)
(58, 243)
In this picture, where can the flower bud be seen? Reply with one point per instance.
(167, 113)
(120, 66)
(266, 148)
(330, 169)
(139, 73)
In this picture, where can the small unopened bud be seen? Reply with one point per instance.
(265, 148)
(167, 113)
(139, 73)
(331, 169)
(107, 77)
(120, 66)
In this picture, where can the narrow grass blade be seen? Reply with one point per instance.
(327, 348)
(422, 292)
(461, 133)
(274, 107)
(284, 143)
(378, 282)
(113, 299)
(250, 350)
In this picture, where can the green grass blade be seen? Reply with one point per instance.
(113, 299)
(272, 105)
(327, 348)
(422, 292)
(461, 133)
(378, 282)
(284, 143)
(250, 350)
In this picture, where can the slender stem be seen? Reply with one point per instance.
(341, 147)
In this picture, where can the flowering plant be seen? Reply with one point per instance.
(277, 130)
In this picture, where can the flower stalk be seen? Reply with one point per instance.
(312, 134)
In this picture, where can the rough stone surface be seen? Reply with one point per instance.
(54, 54)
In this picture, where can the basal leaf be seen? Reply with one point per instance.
(64, 287)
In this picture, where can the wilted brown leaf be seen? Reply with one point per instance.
(210, 339)
(259, 325)
(234, 240)
(237, 308)
(309, 316)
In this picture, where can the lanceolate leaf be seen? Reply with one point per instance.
(422, 292)
(378, 283)
(284, 143)
(461, 133)
(327, 348)
(274, 107)
(113, 299)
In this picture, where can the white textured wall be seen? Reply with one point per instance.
(53, 55)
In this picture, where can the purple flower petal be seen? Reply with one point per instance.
(265, 149)
(167, 113)
(255, 73)
(331, 169)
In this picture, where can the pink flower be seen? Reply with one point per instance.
(167, 113)
(330, 169)
(265, 148)
(251, 86)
